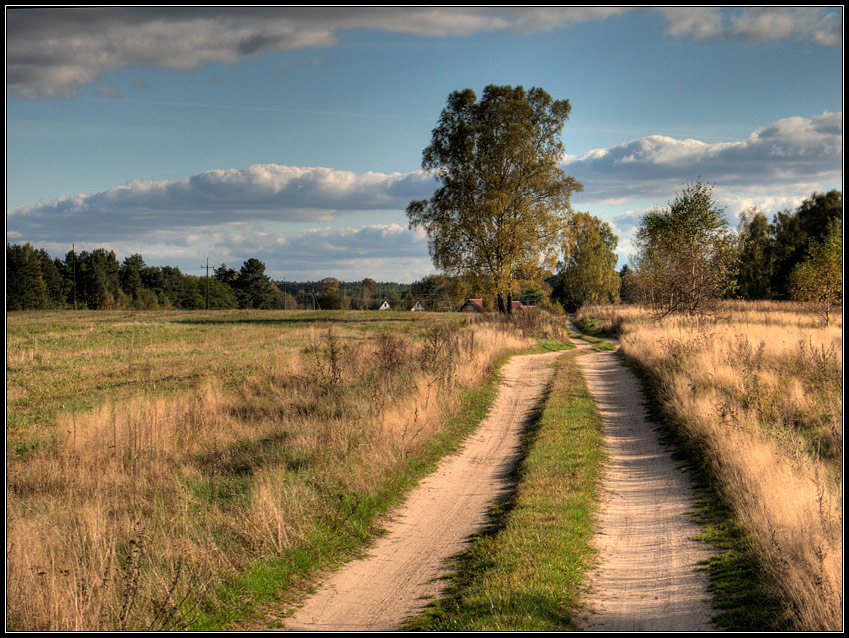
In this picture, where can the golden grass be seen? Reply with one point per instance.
(759, 386)
(218, 444)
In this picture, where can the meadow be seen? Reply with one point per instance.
(176, 470)
(757, 388)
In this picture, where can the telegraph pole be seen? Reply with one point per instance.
(207, 282)
(74, 261)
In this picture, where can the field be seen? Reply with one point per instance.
(171, 470)
(757, 387)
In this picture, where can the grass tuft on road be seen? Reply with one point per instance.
(525, 571)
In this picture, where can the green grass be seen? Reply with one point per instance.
(551, 345)
(525, 571)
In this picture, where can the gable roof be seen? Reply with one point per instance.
(473, 305)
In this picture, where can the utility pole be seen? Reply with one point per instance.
(207, 282)
(74, 261)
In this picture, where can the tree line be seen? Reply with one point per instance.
(687, 257)
(97, 280)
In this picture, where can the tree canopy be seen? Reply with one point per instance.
(588, 270)
(503, 199)
(686, 257)
(819, 279)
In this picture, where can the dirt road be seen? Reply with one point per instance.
(649, 577)
(404, 568)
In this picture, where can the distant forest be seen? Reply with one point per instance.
(767, 253)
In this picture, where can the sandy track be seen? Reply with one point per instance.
(404, 567)
(648, 578)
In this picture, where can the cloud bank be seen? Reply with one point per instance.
(239, 213)
(754, 25)
(263, 192)
(53, 52)
(787, 155)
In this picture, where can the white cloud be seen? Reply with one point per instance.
(754, 25)
(786, 155)
(267, 192)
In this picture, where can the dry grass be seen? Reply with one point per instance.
(759, 386)
(153, 458)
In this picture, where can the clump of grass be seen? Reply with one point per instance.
(757, 388)
(525, 571)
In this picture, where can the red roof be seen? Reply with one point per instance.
(476, 305)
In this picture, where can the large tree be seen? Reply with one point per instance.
(686, 257)
(502, 199)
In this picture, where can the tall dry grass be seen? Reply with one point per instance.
(759, 387)
(146, 501)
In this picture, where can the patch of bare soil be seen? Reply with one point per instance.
(649, 577)
(405, 567)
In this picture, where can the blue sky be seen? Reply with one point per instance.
(295, 135)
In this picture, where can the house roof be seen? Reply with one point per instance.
(475, 305)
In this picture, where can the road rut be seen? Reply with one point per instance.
(649, 577)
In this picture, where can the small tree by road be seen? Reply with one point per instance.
(588, 271)
(686, 255)
(819, 279)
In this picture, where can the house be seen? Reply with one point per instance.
(473, 305)
(385, 306)
(417, 308)
(518, 305)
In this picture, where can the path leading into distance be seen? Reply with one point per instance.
(404, 568)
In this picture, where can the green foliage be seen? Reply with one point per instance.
(502, 197)
(769, 252)
(819, 279)
(588, 271)
(757, 257)
(254, 288)
(686, 256)
(25, 285)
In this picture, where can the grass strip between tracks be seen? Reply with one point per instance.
(525, 571)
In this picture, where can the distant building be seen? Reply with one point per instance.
(473, 305)
(385, 306)
(518, 305)
(417, 308)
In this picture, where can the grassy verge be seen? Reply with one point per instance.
(243, 601)
(525, 571)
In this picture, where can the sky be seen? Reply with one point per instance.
(295, 134)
